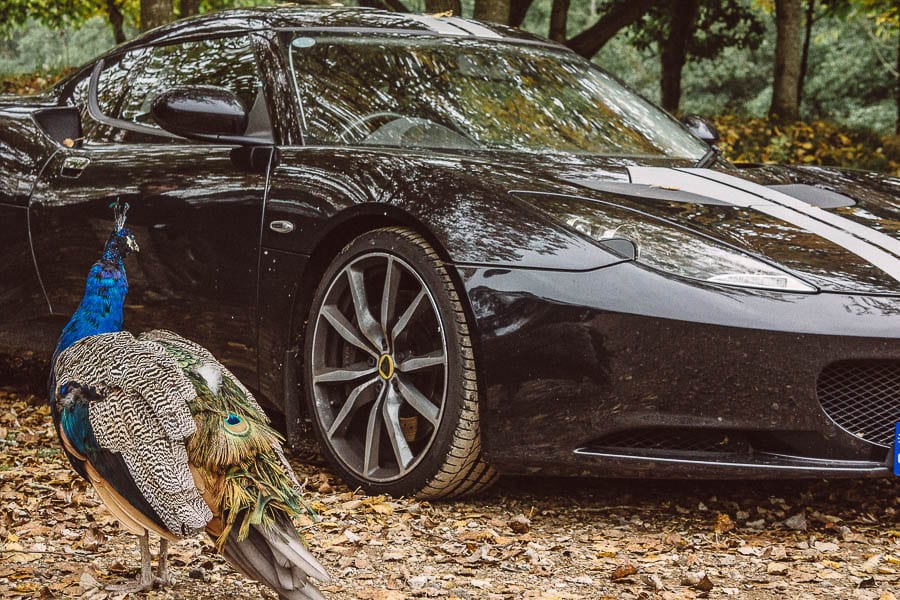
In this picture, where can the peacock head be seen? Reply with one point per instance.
(121, 242)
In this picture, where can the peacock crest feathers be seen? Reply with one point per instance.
(120, 210)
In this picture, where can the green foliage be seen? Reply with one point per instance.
(720, 24)
(58, 14)
(38, 49)
(768, 140)
(850, 74)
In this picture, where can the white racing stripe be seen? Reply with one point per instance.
(474, 28)
(875, 247)
(870, 235)
(438, 25)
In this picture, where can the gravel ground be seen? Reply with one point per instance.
(525, 538)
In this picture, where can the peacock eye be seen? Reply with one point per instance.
(235, 424)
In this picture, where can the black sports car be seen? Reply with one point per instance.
(465, 249)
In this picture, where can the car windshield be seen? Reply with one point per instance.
(469, 94)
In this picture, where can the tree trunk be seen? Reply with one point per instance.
(591, 40)
(788, 17)
(897, 126)
(495, 11)
(517, 11)
(116, 20)
(188, 8)
(804, 57)
(682, 20)
(559, 18)
(155, 13)
(441, 6)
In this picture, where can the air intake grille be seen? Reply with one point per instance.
(863, 398)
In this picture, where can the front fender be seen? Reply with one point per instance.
(463, 205)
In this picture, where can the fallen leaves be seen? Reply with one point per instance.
(723, 523)
(529, 539)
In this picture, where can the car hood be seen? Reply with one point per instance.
(837, 229)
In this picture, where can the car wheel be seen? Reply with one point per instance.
(389, 371)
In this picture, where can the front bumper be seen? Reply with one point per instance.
(622, 371)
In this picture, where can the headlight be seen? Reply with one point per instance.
(673, 250)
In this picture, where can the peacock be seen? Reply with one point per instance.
(171, 441)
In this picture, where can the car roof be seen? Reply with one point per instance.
(333, 18)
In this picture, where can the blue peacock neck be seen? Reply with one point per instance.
(101, 307)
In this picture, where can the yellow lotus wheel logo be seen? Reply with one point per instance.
(386, 366)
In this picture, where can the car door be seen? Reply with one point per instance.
(195, 213)
(22, 301)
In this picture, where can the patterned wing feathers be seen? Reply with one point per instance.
(143, 414)
(194, 357)
(199, 448)
(116, 360)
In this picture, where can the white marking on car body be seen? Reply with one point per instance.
(438, 25)
(875, 247)
(474, 28)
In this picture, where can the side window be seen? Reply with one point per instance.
(110, 94)
(225, 62)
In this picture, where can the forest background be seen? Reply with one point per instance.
(797, 81)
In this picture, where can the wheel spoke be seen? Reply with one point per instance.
(407, 315)
(354, 402)
(391, 413)
(414, 363)
(373, 438)
(367, 323)
(418, 402)
(343, 374)
(345, 329)
(389, 295)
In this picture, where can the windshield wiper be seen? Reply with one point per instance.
(708, 159)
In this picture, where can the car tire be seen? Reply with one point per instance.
(390, 375)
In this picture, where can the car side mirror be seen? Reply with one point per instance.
(701, 127)
(200, 112)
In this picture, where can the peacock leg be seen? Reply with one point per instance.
(145, 579)
(162, 567)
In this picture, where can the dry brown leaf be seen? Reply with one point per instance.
(723, 523)
(623, 571)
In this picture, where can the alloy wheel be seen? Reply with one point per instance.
(379, 367)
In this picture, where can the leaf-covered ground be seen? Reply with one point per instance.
(526, 538)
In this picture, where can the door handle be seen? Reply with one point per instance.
(281, 226)
(73, 166)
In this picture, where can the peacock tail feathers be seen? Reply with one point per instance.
(250, 494)
(235, 451)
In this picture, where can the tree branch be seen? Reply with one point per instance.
(591, 40)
